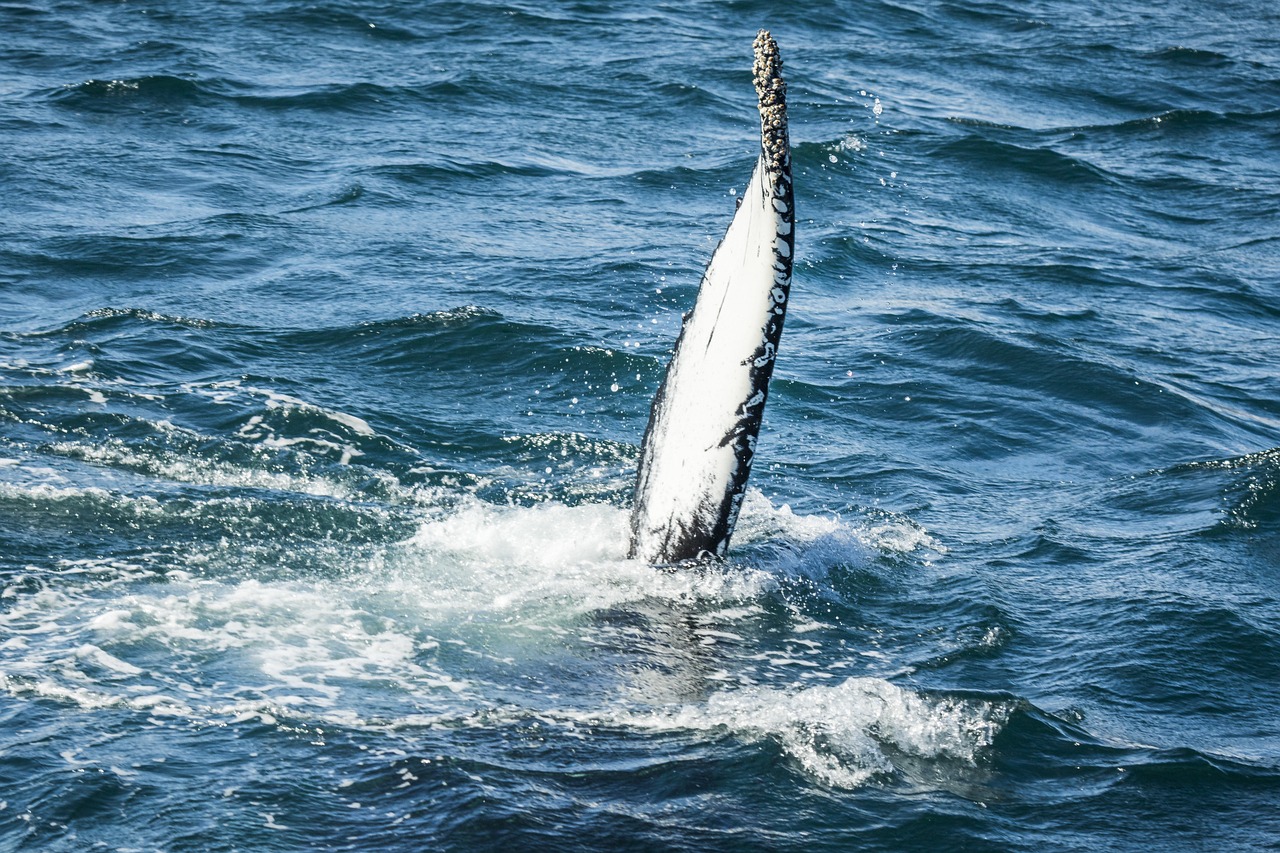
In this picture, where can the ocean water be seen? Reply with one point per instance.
(328, 333)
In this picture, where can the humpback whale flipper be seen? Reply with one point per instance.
(702, 429)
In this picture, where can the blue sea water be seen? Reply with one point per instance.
(328, 333)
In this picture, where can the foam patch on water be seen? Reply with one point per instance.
(206, 650)
(182, 467)
(550, 557)
(494, 557)
(844, 735)
(812, 544)
(525, 607)
(281, 442)
(544, 536)
(35, 488)
(338, 439)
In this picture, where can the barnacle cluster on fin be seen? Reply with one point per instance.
(771, 90)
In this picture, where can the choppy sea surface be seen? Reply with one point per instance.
(328, 333)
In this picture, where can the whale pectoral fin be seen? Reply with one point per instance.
(700, 440)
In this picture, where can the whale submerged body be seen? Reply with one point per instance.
(701, 436)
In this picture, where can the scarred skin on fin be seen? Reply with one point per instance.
(701, 436)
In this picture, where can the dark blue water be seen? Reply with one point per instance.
(327, 339)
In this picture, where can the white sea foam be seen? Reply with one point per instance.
(351, 422)
(551, 558)
(286, 648)
(185, 468)
(257, 429)
(94, 655)
(54, 492)
(472, 612)
(811, 544)
(844, 735)
(231, 391)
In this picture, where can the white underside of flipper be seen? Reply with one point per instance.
(702, 431)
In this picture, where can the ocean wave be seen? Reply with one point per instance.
(1034, 162)
(354, 98)
(1098, 762)
(108, 320)
(1191, 56)
(1168, 118)
(1251, 491)
(151, 90)
(322, 17)
(846, 735)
